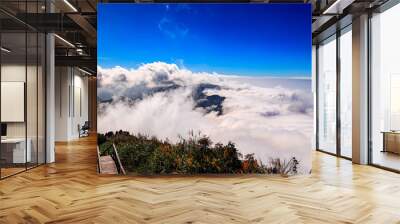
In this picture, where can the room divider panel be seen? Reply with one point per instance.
(22, 77)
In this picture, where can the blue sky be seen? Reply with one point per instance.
(236, 39)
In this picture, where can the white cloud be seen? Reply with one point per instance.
(172, 28)
(268, 121)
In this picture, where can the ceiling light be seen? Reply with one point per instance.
(329, 9)
(79, 51)
(64, 40)
(70, 5)
(5, 50)
(86, 72)
(338, 6)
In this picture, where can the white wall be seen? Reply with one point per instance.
(12, 73)
(70, 83)
(62, 81)
(80, 109)
(33, 126)
(12, 101)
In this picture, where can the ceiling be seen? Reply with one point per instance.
(75, 22)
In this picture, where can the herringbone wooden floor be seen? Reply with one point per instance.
(70, 191)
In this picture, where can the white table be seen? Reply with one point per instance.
(19, 153)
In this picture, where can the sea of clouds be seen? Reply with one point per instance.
(270, 117)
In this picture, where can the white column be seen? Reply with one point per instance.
(314, 91)
(360, 90)
(50, 99)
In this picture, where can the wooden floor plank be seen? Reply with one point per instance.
(70, 191)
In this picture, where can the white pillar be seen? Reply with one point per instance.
(314, 92)
(50, 99)
(360, 90)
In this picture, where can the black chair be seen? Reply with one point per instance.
(84, 130)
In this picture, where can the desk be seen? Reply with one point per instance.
(391, 141)
(13, 150)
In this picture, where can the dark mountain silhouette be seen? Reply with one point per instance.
(212, 103)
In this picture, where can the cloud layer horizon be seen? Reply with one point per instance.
(272, 118)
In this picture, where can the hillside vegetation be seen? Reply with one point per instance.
(195, 154)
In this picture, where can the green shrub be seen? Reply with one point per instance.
(193, 155)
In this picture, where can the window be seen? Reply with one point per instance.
(385, 88)
(327, 95)
(346, 92)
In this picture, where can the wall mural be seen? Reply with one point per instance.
(206, 88)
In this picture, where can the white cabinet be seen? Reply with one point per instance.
(19, 154)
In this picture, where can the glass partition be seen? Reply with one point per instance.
(23, 90)
(385, 89)
(15, 152)
(327, 95)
